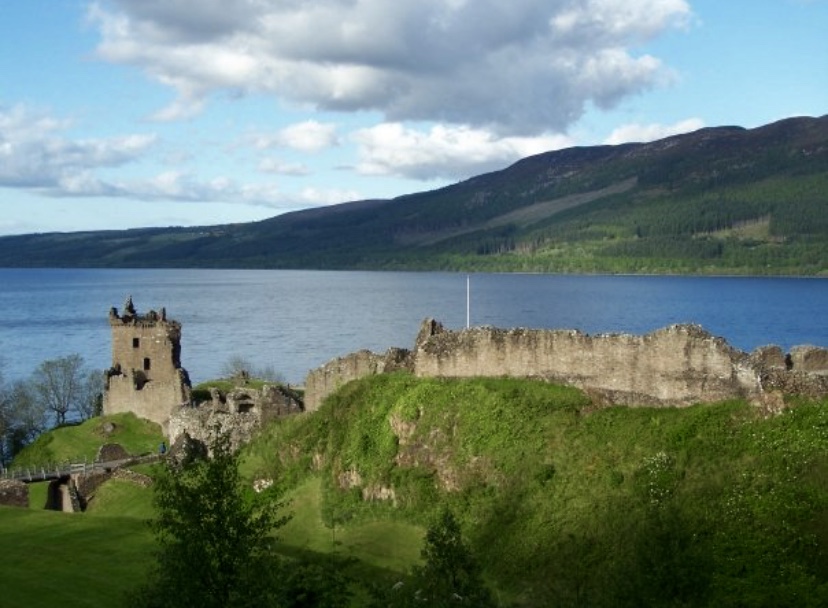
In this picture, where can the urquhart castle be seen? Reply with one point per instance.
(676, 366)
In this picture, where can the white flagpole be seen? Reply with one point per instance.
(468, 302)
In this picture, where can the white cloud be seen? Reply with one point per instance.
(307, 136)
(279, 167)
(519, 67)
(443, 151)
(321, 196)
(617, 23)
(651, 132)
(185, 107)
(35, 153)
(269, 195)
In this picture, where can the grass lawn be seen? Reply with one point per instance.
(69, 560)
(385, 544)
(118, 498)
(92, 559)
(38, 493)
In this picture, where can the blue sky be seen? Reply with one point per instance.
(126, 113)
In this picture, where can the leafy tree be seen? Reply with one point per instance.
(5, 422)
(22, 418)
(66, 386)
(90, 403)
(215, 544)
(238, 366)
(310, 585)
(449, 577)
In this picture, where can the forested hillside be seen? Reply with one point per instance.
(720, 200)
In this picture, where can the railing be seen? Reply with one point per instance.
(56, 471)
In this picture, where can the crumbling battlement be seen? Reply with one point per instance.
(673, 367)
(146, 376)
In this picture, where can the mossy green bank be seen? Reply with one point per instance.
(563, 503)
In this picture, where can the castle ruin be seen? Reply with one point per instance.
(146, 376)
(675, 366)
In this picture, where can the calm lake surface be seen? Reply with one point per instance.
(294, 321)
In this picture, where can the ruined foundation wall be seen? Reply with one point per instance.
(241, 413)
(326, 379)
(154, 401)
(204, 424)
(803, 372)
(809, 359)
(14, 493)
(678, 365)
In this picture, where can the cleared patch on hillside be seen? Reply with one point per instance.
(756, 229)
(523, 217)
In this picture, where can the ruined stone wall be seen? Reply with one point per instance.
(324, 380)
(139, 479)
(154, 401)
(86, 484)
(675, 366)
(678, 365)
(802, 372)
(241, 412)
(204, 423)
(14, 493)
(808, 359)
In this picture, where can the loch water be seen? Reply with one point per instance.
(293, 321)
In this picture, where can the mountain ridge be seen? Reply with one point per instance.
(669, 205)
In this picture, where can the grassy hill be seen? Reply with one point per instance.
(566, 505)
(563, 503)
(719, 200)
(81, 442)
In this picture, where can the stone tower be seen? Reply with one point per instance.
(146, 376)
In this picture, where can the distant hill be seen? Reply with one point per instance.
(719, 200)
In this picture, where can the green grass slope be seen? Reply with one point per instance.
(59, 559)
(96, 558)
(711, 505)
(564, 504)
(76, 443)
